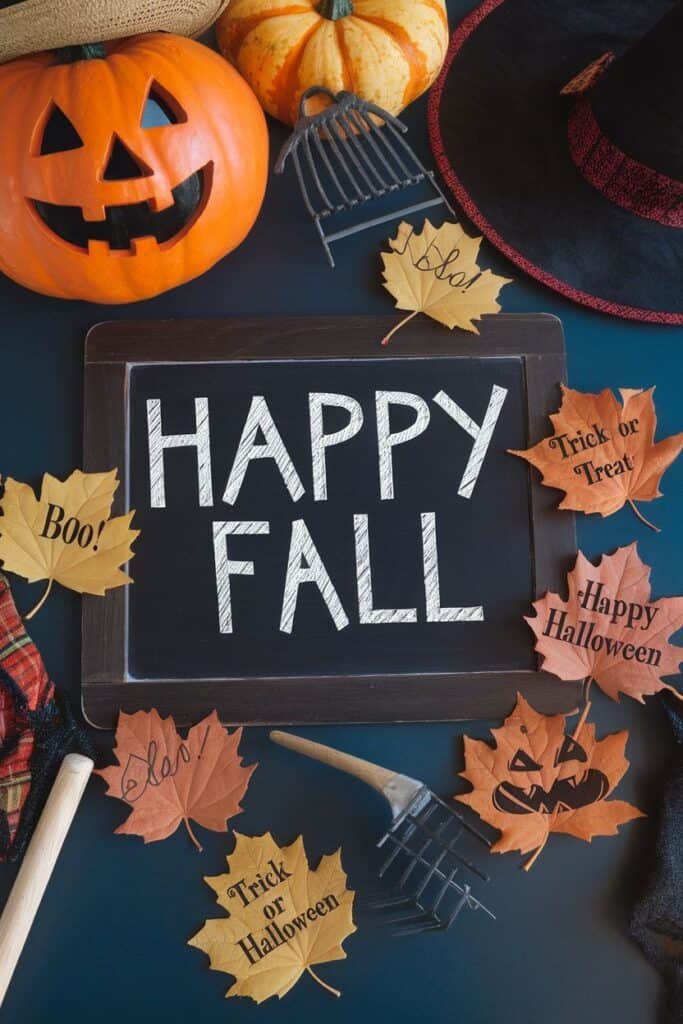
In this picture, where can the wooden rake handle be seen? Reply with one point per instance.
(373, 774)
(39, 861)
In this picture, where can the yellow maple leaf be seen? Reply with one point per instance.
(284, 918)
(437, 273)
(66, 535)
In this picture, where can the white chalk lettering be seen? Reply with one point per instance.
(259, 418)
(226, 567)
(158, 442)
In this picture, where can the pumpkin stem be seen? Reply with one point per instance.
(334, 9)
(88, 51)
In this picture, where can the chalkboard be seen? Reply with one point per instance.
(330, 530)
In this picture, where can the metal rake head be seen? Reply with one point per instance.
(429, 867)
(347, 154)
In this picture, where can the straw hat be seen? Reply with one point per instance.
(32, 25)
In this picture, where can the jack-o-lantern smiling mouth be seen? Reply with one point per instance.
(564, 795)
(125, 223)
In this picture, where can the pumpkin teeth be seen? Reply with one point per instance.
(124, 225)
(564, 795)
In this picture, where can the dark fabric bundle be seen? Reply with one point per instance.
(657, 923)
(37, 729)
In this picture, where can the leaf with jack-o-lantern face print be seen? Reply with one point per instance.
(539, 778)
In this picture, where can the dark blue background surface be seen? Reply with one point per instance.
(108, 943)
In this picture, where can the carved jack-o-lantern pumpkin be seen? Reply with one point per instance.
(561, 783)
(128, 173)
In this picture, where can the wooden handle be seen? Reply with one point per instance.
(373, 774)
(39, 860)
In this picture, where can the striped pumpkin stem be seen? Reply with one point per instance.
(333, 10)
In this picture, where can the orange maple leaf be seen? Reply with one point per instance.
(536, 778)
(604, 455)
(167, 780)
(609, 629)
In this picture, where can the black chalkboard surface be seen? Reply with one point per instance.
(331, 531)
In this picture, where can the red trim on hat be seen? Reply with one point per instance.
(631, 185)
(459, 37)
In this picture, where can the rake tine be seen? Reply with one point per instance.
(381, 136)
(357, 147)
(313, 170)
(450, 847)
(413, 826)
(430, 874)
(302, 185)
(363, 126)
(426, 864)
(390, 902)
(445, 888)
(459, 817)
(347, 170)
(348, 149)
(330, 169)
(412, 864)
(423, 849)
(463, 901)
(421, 173)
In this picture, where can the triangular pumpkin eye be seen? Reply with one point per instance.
(161, 109)
(59, 134)
(570, 751)
(523, 762)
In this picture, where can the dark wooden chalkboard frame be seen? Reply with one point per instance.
(113, 347)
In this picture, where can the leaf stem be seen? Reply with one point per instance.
(334, 991)
(193, 836)
(387, 337)
(42, 601)
(586, 707)
(640, 515)
(534, 856)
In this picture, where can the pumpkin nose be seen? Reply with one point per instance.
(123, 164)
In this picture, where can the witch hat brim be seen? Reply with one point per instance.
(34, 25)
(499, 132)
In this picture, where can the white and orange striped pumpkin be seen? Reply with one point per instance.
(387, 51)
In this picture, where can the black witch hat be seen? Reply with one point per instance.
(558, 126)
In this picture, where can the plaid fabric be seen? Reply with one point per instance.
(25, 688)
